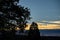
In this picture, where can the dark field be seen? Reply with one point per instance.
(50, 38)
(10, 36)
(28, 38)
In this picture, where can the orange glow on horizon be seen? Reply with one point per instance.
(42, 26)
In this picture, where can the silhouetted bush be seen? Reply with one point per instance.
(34, 32)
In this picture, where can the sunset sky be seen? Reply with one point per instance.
(43, 26)
(45, 12)
(43, 9)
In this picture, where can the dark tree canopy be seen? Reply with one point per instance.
(12, 15)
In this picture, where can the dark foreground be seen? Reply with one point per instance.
(50, 38)
(29, 38)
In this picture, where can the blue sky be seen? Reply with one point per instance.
(48, 10)
(43, 9)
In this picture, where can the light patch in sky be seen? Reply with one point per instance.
(51, 22)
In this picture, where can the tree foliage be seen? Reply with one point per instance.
(12, 15)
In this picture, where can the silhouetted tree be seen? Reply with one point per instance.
(12, 15)
(34, 31)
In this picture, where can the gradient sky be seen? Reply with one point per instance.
(43, 9)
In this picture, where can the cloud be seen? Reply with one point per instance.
(51, 22)
(54, 22)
